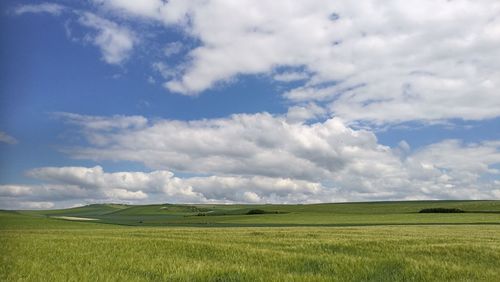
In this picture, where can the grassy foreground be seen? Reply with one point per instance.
(34, 247)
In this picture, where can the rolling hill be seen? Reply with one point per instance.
(335, 214)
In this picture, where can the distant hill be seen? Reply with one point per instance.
(334, 214)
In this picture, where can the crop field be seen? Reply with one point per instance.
(327, 242)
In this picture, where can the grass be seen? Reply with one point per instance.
(36, 247)
(348, 214)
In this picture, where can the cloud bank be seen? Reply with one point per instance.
(258, 158)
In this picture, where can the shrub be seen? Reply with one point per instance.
(441, 210)
(256, 211)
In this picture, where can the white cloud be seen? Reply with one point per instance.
(50, 8)
(301, 113)
(103, 123)
(257, 158)
(14, 190)
(331, 161)
(5, 138)
(116, 42)
(172, 48)
(466, 163)
(164, 70)
(290, 76)
(259, 144)
(123, 194)
(383, 61)
(255, 189)
(62, 184)
(376, 174)
(144, 8)
(35, 205)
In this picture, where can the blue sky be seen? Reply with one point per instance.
(124, 101)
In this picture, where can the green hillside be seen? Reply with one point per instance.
(337, 214)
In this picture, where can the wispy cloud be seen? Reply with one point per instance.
(172, 48)
(49, 8)
(5, 138)
(116, 42)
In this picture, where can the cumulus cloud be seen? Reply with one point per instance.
(259, 144)
(35, 205)
(331, 161)
(425, 174)
(116, 42)
(256, 158)
(367, 60)
(50, 8)
(6, 138)
(302, 113)
(14, 190)
(91, 184)
(73, 185)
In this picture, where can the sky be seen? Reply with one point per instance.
(213, 101)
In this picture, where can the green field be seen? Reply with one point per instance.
(385, 241)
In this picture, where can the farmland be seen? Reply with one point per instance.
(324, 242)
